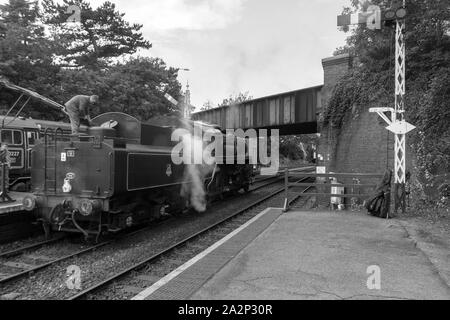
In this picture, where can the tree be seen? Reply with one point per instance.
(208, 105)
(101, 35)
(132, 87)
(26, 55)
(23, 45)
(299, 147)
(371, 83)
(19, 12)
(129, 87)
(236, 99)
(29, 58)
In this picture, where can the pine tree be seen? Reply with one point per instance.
(101, 35)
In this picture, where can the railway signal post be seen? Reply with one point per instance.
(373, 18)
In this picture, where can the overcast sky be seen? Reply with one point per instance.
(230, 46)
(260, 46)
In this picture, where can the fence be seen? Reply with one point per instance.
(332, 190)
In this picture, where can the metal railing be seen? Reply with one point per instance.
(324, 187)
(51, 133)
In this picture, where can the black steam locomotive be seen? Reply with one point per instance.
(119, 175)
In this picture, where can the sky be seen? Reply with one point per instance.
(230, 46)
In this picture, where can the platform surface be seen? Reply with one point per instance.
(13, 206)
(308, 255)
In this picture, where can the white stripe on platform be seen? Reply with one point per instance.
(147, 292)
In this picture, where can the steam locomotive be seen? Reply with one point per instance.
(119, 175)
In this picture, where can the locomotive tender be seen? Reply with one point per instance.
(119, 175)
(20, 135)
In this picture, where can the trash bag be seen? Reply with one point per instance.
(378, 205)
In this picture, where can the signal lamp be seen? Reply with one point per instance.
(400, 13)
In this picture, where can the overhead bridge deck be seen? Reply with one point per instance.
(293, 112)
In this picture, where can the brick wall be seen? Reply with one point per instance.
(363, 145)
(334, 68)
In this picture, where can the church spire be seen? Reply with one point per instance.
(187, 102)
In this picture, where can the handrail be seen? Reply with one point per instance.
(18, 112)
(328, 185)
(55, 137)
(336, 175)
(45, 155)
(10, 109)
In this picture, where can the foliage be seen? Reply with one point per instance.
(101, 35)
(25, 51)
(207, 106)
(29, 57)
(131, 88)
(236, 99)
(230, 101)
(371, 84)
(298, 147)
(432, 139)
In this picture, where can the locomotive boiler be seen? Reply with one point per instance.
(119, 175)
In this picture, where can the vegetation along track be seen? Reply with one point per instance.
(176, 254)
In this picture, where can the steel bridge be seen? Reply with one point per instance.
(293, 112)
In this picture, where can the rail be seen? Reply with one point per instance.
(327, 189)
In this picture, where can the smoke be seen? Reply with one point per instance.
(193, 187)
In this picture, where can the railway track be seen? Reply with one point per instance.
(26, 269)
(21, 267)
(23, 270)
(36, 245)
(225, 226)
(29, 269)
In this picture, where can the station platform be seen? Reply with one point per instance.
(17, 205)
(15, 222)
(307, 255)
